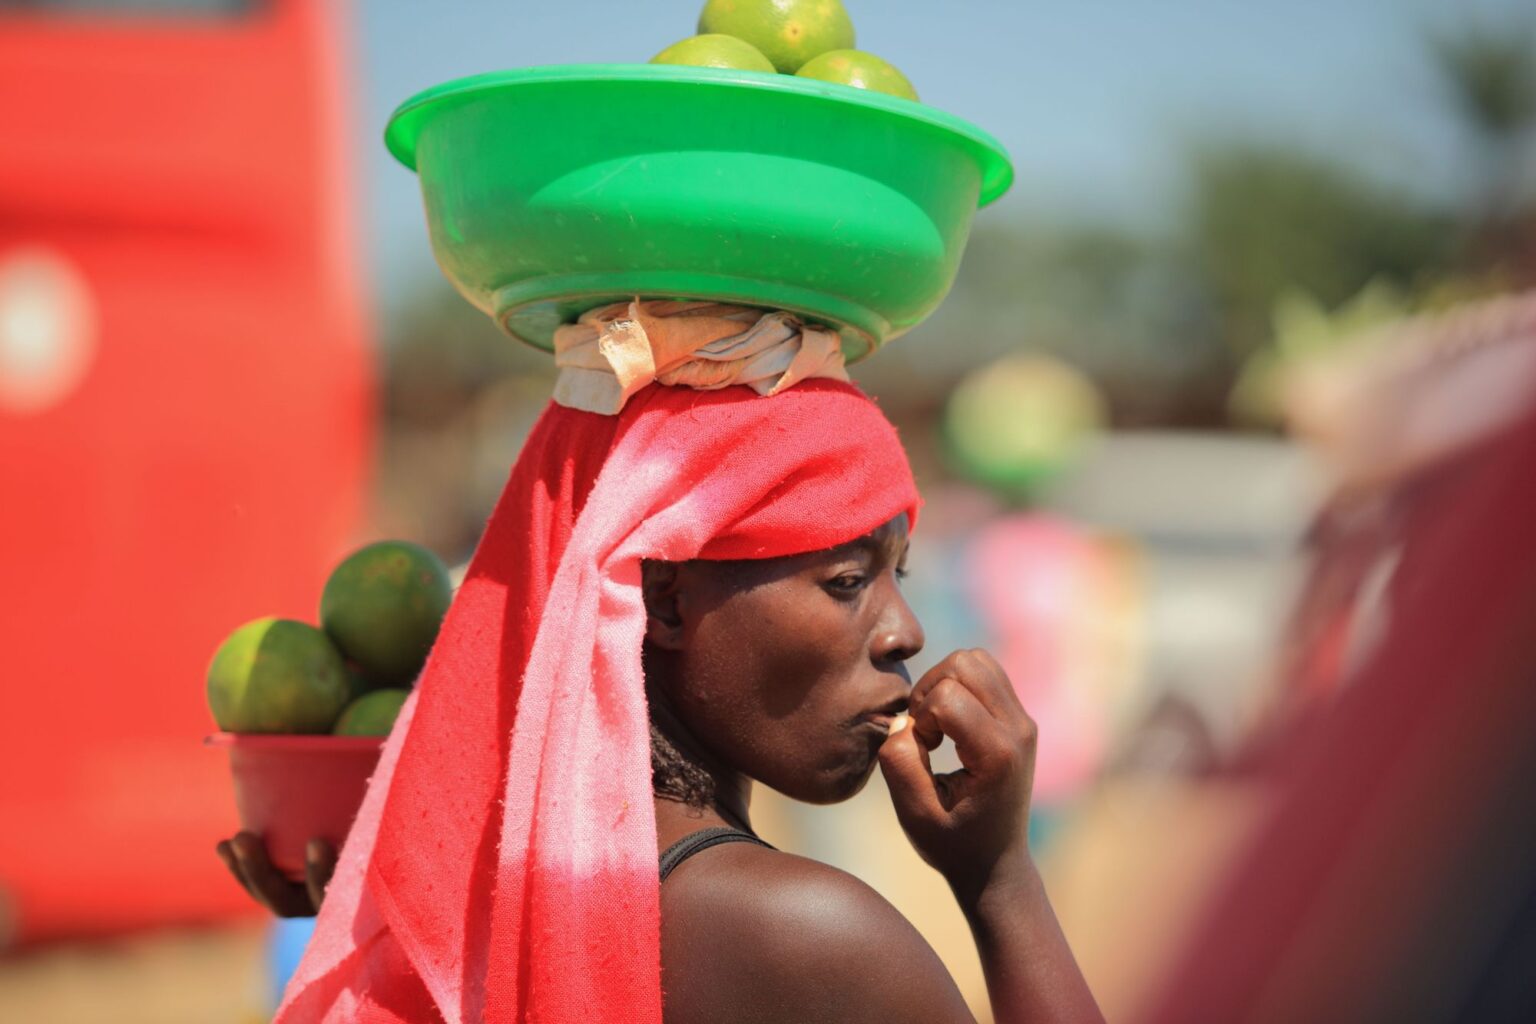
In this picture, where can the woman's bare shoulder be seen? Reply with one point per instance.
(757, 935)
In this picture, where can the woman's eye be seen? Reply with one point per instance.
(848, 584)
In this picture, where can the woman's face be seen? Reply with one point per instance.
(789, 670)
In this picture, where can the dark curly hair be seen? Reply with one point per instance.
(675, 776)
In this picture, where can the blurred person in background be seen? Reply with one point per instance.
(1403, 417)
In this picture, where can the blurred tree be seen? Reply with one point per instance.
(1114, 303)
(1490, 75)
(442, 354)
(1264, 220)
(1487, 246)
(459, 397)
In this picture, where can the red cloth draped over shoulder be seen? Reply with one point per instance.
(503, 866)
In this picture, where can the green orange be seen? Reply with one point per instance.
(383, 606)
(860, 70)
(715, 51)
(358, 682)
(372, 714)
(787, 32)
(276, 675)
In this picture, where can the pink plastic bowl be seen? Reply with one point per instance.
(291, 789)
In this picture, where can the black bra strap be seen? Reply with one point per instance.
(697, 842)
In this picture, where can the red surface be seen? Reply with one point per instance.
(209, 466)
(290, 789)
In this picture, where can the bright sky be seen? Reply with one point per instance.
(1095, 99)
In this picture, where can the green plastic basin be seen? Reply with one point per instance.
(550, 191)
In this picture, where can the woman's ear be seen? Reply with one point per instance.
(659, 586)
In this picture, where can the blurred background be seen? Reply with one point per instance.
(1224, 432)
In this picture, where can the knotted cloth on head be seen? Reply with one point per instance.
(614, 351)
(504, 864)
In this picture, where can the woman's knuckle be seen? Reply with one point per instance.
(944, 691)
(1027, 739)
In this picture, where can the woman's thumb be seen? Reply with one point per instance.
(904, 763)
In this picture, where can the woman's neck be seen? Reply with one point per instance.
(730, 792)
(735, 806)
(676, 819)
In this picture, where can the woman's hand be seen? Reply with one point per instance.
(973, 825)
(246, 858)
(965, 823)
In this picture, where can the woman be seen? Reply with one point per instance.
(708, 578)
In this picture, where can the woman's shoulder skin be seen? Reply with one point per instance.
(755, 936)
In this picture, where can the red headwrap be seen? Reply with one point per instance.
(504, 866)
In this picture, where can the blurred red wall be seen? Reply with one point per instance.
(185, 425)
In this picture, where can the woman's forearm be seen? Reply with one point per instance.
(1032, 977)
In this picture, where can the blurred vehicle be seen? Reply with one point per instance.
(185, 419)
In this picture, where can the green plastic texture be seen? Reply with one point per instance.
(550, 191)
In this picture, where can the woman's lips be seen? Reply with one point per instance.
(887, 723)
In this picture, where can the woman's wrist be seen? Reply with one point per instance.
(1030, 971)
(1013, 876)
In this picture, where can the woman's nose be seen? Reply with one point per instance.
(899, 635)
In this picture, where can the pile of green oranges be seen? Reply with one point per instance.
(379, 616)
(808, 38)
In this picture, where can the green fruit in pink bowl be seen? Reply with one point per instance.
(276, 676)
(372, 714)
(383, 605)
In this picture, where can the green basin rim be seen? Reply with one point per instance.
(992, 159)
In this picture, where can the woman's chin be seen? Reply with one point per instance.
(854, 786)
(834, 786)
